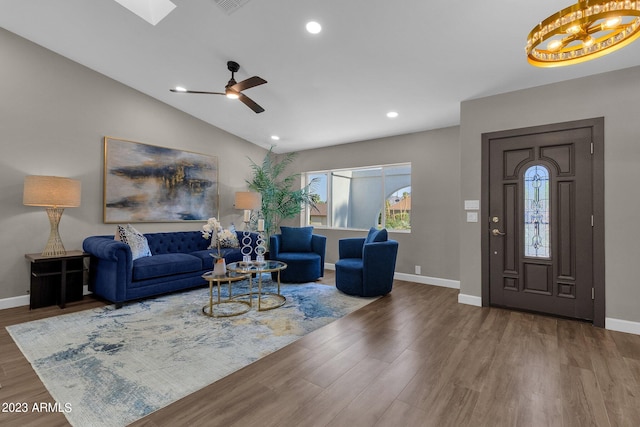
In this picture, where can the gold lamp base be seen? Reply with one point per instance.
(54, 245)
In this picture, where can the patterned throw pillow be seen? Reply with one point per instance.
(228, 239)
(120, 235)
(136, 241)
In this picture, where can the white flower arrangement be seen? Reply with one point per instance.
(212, 227)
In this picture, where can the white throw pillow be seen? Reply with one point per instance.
(136, 241)
(228, 239)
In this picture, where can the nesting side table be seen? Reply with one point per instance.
(241, 307)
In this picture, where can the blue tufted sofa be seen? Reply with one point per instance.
(178, 261)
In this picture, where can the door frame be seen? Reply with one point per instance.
(597, 131)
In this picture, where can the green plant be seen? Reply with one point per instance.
(280, 200)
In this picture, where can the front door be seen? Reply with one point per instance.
(539, 230)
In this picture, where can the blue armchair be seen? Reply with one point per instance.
(301, 250)
(366, 265)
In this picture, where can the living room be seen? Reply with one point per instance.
(56, 112)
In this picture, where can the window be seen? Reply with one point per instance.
(536, 212)
(361, 198)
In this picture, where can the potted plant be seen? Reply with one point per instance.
(280, 199)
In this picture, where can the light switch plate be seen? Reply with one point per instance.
(471, 205)
(472, 216)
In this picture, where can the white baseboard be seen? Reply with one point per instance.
(23, 300)
(426, 280)
(470, 300)
(622, 325)
(14, 302)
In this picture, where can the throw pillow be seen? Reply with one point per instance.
(296, 239)
(228, 239)
(136, 241)
(376, 235)
(119, 236)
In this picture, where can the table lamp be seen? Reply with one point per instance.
(248, 201)
(55, 193)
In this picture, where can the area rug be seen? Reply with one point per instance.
(107, 367)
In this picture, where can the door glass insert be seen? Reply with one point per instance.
(536, 212)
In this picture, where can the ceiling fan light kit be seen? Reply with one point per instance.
(233, 90)
(583, 31)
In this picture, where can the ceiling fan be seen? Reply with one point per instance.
(233, 89)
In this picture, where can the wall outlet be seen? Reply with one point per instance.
(418, 269)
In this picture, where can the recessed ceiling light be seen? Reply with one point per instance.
(313, 27)
(392, 114)
(180, 89)
(275, 137)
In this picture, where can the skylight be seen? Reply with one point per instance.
(152, 11)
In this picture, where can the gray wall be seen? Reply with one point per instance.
(613, 96)
(435, 189)
(54, 114)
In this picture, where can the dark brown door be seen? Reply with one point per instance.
(540, 235)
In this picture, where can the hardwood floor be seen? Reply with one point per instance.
(413, 358)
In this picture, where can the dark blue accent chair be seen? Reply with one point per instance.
(366, 265)
(301, 250)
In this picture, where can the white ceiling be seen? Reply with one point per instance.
(420, 58)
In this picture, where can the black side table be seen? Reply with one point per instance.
(56, 279)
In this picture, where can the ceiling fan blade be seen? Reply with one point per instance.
(250, 103)
(197, 91)
(249, 83)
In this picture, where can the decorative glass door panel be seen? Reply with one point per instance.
(536, 212)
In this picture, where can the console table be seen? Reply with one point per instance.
(56, 279)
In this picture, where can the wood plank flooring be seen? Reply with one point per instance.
(413, 358)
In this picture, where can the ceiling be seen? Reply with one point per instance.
(420, 58)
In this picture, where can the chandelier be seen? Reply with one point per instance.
(583, 31)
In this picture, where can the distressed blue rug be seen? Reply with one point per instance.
(112, 367)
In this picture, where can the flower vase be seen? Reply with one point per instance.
(220, 267)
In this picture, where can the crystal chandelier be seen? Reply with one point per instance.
(587, 30)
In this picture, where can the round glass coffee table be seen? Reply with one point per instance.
(232, 307)
(258, 268)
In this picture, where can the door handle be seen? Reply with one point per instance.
(497, 232)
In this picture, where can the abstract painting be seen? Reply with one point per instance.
(146, 183)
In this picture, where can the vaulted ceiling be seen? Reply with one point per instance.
(420, 58)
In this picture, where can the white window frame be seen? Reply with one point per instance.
(304, 220)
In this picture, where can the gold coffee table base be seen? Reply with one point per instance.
(280, 300)
(208, 309)
(259, 268)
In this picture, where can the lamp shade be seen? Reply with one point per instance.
(248, 200)
(51, 191)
